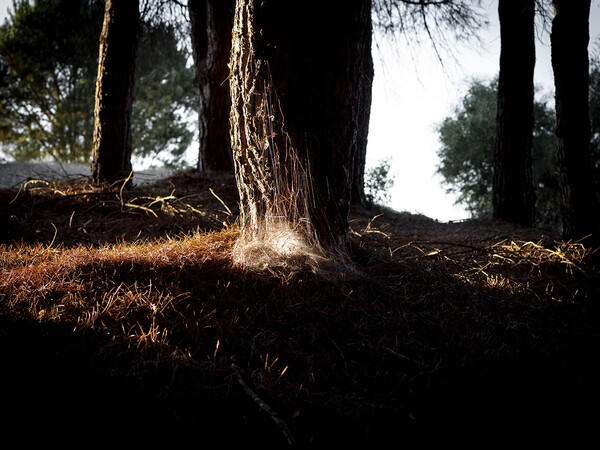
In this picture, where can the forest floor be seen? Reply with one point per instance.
(124, 317)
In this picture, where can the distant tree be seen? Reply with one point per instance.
(513, 195)
(467, 148)
(296, 111)
(378, 183)
(48, 70)
(211, 25)
(570, 62)
(111, 153)
(163, 96)
(466, 155)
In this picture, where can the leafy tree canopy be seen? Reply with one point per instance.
(466, 155)
(48, 68)
(47, 79)
(378, 183)
(164, 96)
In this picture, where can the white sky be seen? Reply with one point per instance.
(410, 97)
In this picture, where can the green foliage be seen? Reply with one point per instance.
(467, 153)
(48, 68)
(378, 183)
(164, 95)
(47, 78)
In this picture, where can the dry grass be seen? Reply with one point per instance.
(437, 325)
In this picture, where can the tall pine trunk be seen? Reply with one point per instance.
(212, 22)
(297, 78)
(111, 152)
(570, 62)
(513, 189)
(365, 96)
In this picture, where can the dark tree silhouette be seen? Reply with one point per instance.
(211, 25)
(364, 95)
(513, 194)
(111, 153)
(296, 111)
(212, 22)
(570, 62)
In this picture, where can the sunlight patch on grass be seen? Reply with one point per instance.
(525, 267)
(284, 252)
(277, 246)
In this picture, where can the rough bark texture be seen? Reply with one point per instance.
(365, 97)
(212, 22)
(297, 76)
(513, 189)
(570, 62)
(111, 153)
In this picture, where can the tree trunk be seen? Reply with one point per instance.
(569, 39)
(364, 95)
(212, 22)
(513, 189)
(111, 153)
(297, 78)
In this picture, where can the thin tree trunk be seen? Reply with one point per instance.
(212, 22)
(111, 153)
(570, 62)
(513, 189)
(365, 96)
(296, 71)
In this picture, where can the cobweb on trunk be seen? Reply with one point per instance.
(276, 192)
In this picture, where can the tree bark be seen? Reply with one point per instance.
(365, 96)
(111, 153)
(570, 62)
(297, 76)
(212, 22)
(513, 189)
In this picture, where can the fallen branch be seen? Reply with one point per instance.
(266, 408)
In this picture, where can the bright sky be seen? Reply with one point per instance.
(410, 97)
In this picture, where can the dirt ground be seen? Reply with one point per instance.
(473, 332)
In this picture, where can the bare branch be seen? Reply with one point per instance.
(442, 22)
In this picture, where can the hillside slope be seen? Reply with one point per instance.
(124, 316)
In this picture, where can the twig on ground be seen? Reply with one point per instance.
(266, 408)
(222, 202)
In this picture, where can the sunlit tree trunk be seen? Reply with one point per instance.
(212, 22)
(513, 189)
(111, 153)
(570, 62)
(297, 74)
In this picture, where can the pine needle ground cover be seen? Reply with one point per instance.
(125, 315)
